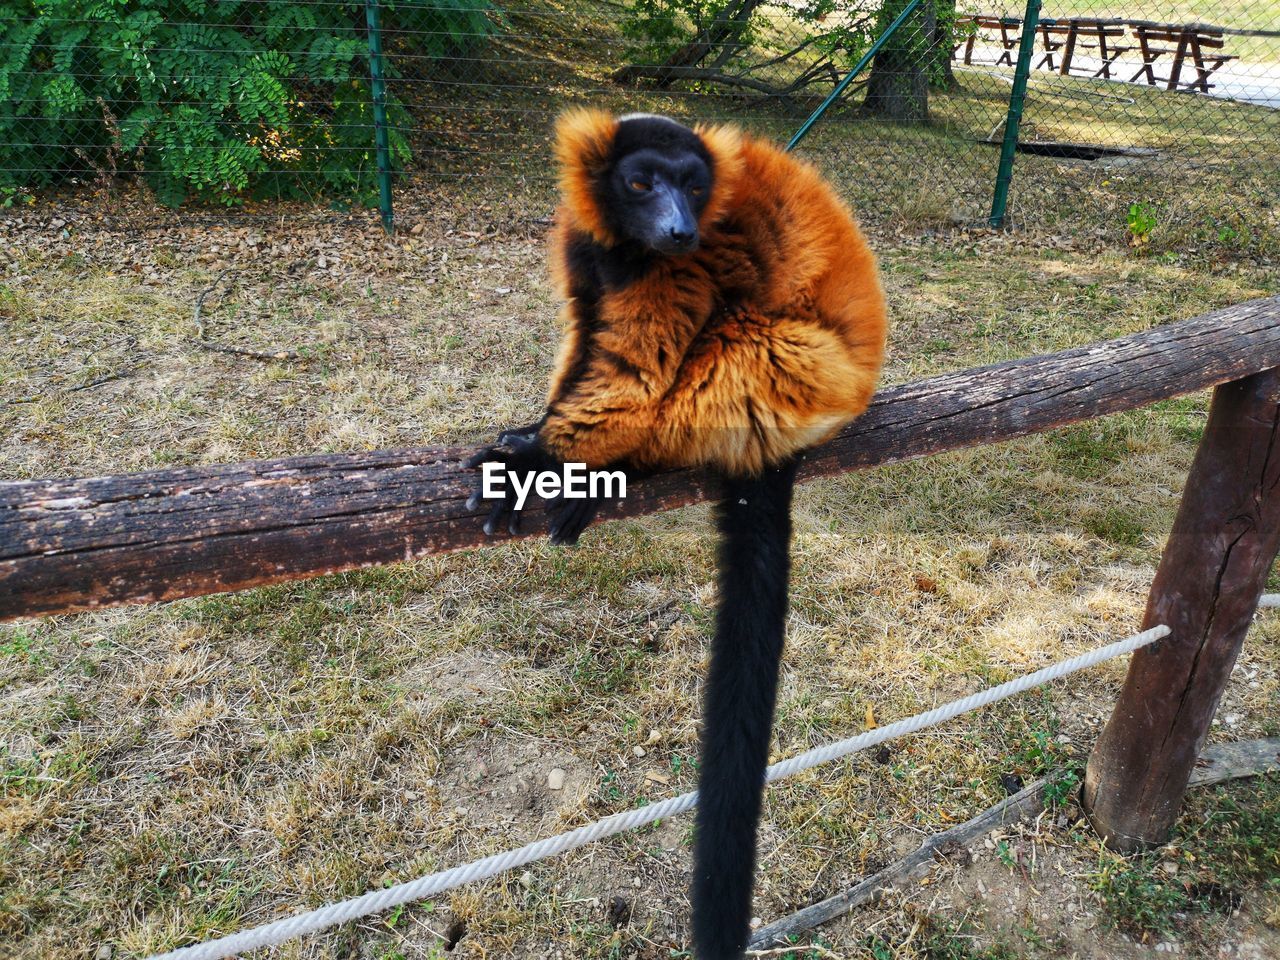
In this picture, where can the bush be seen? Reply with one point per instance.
(212, 99)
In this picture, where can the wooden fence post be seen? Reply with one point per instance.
(1206, 590)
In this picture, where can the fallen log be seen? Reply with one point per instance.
(1218, 763)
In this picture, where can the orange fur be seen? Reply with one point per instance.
(764, 341)
(582, 145)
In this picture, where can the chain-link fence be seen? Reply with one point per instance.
(1131, 110)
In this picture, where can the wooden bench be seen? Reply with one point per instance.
(1180, 40)
(1009, 29)
(1053, 37)
(1067, 36)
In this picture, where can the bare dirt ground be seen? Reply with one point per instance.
(175, 772)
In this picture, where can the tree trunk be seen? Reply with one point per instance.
(898, 88)
(941, 76)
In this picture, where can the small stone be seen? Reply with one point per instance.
(619, 911)
(526, 879)
(638, 751)
(1011, 782)
(555, 779)
(104, 952)
(322, 262)
(635, 882)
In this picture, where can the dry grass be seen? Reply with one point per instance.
(177, 771)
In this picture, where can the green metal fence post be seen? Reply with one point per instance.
(381, 135)
(1004, 176)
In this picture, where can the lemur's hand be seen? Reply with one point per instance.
(519, 453)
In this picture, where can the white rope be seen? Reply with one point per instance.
(378, 900)
(1270, 600)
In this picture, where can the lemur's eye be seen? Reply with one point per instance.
(697, 191)
(639, 186)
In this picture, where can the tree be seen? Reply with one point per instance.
(898, 88)
(941, 76)
(740, 44)
(737, 43)
(725, 29)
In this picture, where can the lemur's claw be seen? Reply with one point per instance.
(569, 518)
(494, 519)
(482, 456)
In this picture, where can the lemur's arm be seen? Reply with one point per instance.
(619, 360)
(620, 356)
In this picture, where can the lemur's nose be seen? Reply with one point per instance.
(682, 237)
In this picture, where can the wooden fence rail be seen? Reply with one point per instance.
(69, 545)
(78, 544)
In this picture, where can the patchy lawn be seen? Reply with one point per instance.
(174, 772)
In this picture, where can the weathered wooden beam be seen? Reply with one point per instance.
(1023, 805)
(1206, 589)
(1232, 761)
(69, 545)
(1219, 763)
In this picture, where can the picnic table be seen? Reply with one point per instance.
(1065, 36)
(1181, 40)
(1061, 39)
(1010, 29)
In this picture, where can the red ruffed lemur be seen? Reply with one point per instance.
(723, 311)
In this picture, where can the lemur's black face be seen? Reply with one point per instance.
(658, 184)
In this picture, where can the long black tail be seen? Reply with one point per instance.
(754, 519)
